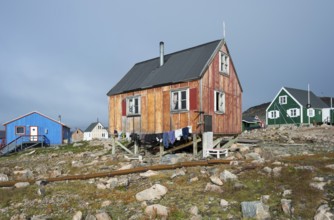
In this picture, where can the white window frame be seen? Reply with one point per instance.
(219, 103)
(224, 63)
(293, 112)
(283, 99)
(176, 100)
(19, 133)
(310, 112)
(131, 108)
(274, 114)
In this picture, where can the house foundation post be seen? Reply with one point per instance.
(195, 146)
(113, 150)
(161, 150)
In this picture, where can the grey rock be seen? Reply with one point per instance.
(224, 204)
(40, 217)
(324, 212)
(193, 210)
(277, 171)
(178, 172)
(21, 184)
(149, 173)
(157, 211)
(153, 193)
(77, 144)
(213, 188)
(255, 209)
(90, 217)
(216, 180)
(227, 175)
(252, 156)
(287, 206)
(21, 216)
(23, 174)
(77, 216)
(3, 177)
(102, 216)
(318, 185)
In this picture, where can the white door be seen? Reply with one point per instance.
(33, 133)
(326, 115)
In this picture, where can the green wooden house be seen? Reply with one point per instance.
(296, 106)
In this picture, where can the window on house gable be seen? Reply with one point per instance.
(133, 105)
(219, 102)
(224, 62)
(20, 130)
(180, 100)
(282, 99)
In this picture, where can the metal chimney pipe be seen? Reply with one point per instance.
(161, 53)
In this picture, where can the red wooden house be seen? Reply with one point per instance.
(196, 87)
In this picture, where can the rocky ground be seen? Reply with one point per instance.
(289, 174)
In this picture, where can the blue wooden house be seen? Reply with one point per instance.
(34, 129)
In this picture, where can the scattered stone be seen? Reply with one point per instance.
(40, 217)
(178, 172)
(194, 179)
(277, 171)
(153, 193)
(126, 167)
(21, 184)
(77, 164)
(265, 199)
(267, 170)
(106, 203)
(310, 168)
(23, 174)
(157, 210)
(255, 209)
(216, 180)
(21, 216)
(77, 144)
(77, 216)
(102, 216)
(287, 192)
(238, 186)
(123, 181)
(227, 175)
(213, 188)
(41, 191)
(287, 206)
(318, 185)
(112, 183)
(101, 186)
(277, 163)
(324, 213)
(330, 166)
(252, 156)
(224, 204)
(149, 173)
(3, 177)
(319, 179)
(90, 217)
(55, 173)
(171, 159)
(193, 210)
(234, 163)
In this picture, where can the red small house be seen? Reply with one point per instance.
(196, 87)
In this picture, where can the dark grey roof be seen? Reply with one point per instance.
(181, 66)
(302, 97)
(250, 120)
(91, 127)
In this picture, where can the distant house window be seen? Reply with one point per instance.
(283, 99)
(224, 62)
(133, 105)
(103, 134)
(273, 114)
(293, 112)
(180, 100)
(219, 101)
(20, 130)
(310, 112)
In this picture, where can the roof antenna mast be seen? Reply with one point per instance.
(224, 34)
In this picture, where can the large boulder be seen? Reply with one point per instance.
(324, 213)
(153, 193)
(227, 175)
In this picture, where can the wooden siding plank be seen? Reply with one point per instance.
(158, 111)
(150, 111)
(166, 111)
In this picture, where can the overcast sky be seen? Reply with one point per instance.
(62, 57)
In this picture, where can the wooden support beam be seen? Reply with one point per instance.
(181, 146)
(124, 148)
(195, 146)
